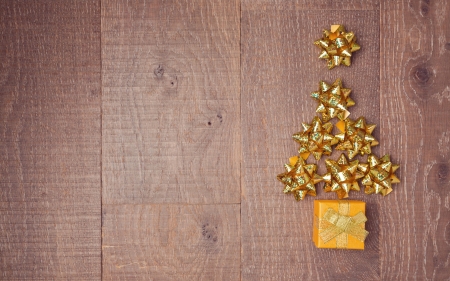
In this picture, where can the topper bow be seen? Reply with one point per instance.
(339, 225)
(337, 46)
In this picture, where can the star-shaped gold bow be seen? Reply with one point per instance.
(300, 178)
(379, 175)
(356, 136)
(342, 176)
(333, 100)
(315, 139)
(337, 46)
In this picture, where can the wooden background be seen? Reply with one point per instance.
(140, 140)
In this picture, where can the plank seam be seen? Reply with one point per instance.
(379, 114)
(170, 204)
(101, 141)
(241, 137)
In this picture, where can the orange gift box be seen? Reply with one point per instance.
(339, 224)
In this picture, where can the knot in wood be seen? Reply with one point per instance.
(442, 173)
(159, 71)
(209, 232)
(422, 75)
(447, 46)
(424, 7)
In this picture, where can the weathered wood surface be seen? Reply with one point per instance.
(50, 195)
(171, 242)
(170, 79)
(415, 111)
(326, 6)
(178, 105)
(171, 137)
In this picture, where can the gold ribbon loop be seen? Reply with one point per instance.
(339, 225)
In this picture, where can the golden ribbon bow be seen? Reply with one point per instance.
(355, 137)
(380, 175)
(339, 225)
(333, 100)
(342, 176)
(316, 138)
(300, 178)
(337, 46)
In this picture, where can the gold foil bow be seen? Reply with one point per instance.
(379, 175)
(339, 225)
(337, 46)
(300, 178)
(333, 100)
(356, 137)
(315, 139)
(342, 176)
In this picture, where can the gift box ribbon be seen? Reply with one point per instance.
(340, 225)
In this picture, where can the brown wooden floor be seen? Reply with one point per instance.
(140, 140)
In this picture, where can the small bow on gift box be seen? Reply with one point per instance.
(339, 225)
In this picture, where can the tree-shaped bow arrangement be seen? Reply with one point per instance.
(355, 137)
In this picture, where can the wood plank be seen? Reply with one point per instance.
(280, 68)
(171, 126)
(415, 100)
(50, 194)
(171, 140)
(171, 242)
(307, 5)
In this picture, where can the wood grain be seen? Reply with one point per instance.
(171, 126)
(171, 137)
(415, 101)
(50, 197)
(171, 242)
(278, 75)
(326, 6)
(137, 104)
